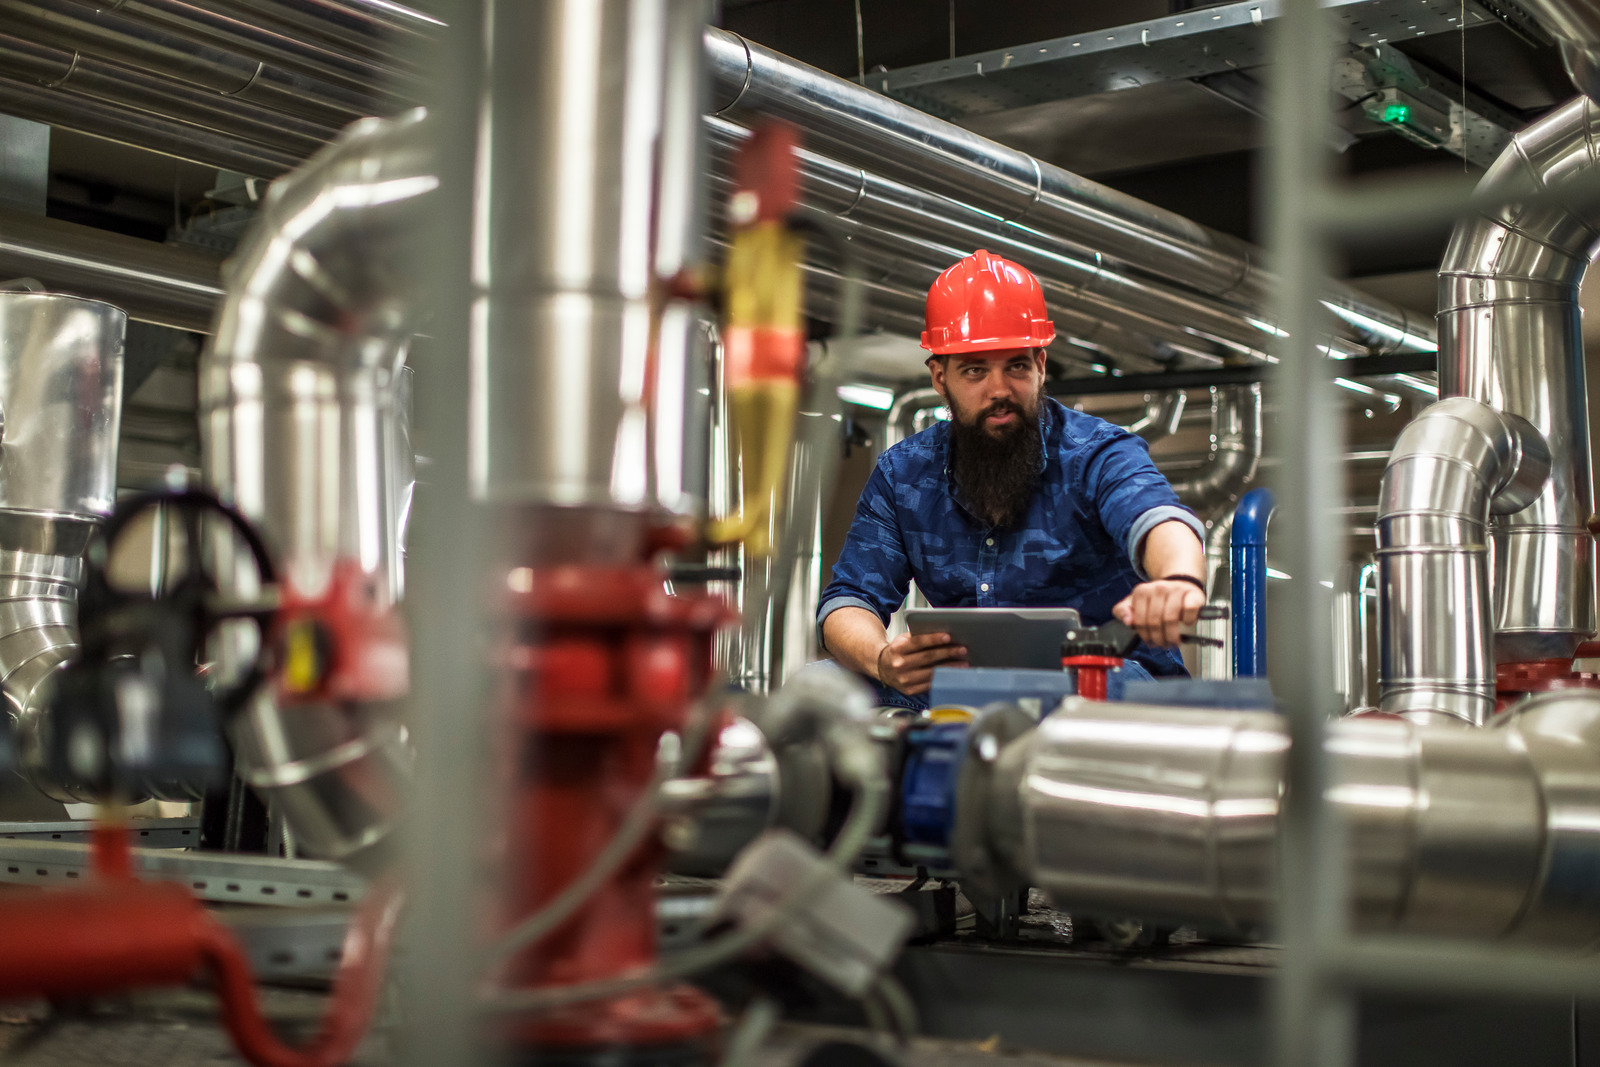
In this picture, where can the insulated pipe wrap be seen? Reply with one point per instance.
(1434, 626)
(1509, 336)
(1170, 814)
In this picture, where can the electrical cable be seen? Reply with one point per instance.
(866, 812)
(630, 832)
(901, 1007)
(355, 989)
(751, 1030)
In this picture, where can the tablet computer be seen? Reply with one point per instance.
(1000, 637)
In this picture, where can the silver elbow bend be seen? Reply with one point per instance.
(1454, 465)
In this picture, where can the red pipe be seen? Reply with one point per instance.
(355, 989)
(99, 939)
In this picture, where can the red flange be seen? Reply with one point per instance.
(602, 661)
(1513, 681)
(1093, 673)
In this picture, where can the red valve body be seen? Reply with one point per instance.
(603, 661)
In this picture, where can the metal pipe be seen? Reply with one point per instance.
(299, 409)
(1247, 565)
(157, 133)
(1509, 336)
(859, 126)
(1173, 814)
(74, 28)
(1451, 466)
(76, 73)
(1235, 455)
(151, 282)
(1074, 263)
(60, 413)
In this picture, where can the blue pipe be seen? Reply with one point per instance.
(1247, 564)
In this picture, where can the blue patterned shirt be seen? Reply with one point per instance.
(1099, 494)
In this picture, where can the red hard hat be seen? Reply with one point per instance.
(985, 302)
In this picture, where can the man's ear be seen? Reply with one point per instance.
(936, 368)
(1038, 360)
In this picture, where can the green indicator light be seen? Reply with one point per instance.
(1396, 113)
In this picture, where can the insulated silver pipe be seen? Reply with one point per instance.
(858, 126)
(60, 413)
(1171, 814)
(300, 411)
(1085, 234)
(1451, 466)
(581, 202)
(76, 28)
(76, 73)
(1509, 336)
(151, 282)
(1235, 452)
(158, 133)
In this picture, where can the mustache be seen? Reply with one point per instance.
(1001, 406)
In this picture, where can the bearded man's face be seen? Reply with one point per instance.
(994, 403)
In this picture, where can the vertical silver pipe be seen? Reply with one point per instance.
(1236, 443)
(1510, 336)
(568, 242)
(60, 412)
(1449, 467)
(1312, 1026)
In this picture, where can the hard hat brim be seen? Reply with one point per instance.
(987, 344)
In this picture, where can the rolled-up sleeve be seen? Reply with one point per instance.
(1132, 496)
(872, 571)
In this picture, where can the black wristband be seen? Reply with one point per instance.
(1191, 579)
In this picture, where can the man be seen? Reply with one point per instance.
(1016, 501)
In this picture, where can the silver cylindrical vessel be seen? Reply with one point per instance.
(60, 413)
(1171, 814)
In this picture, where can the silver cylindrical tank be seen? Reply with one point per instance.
(60, 413)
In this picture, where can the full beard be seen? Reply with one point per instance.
(997, 472)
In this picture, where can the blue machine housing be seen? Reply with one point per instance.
(928, 779)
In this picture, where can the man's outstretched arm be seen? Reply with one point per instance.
(858, 640)
(1161, 607)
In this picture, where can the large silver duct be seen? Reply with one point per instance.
(1509, 336)
(1451, 467)
(1171, 814)
(300, 400)
(60, 412)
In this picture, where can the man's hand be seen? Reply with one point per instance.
(907, 662)
(1160, 610)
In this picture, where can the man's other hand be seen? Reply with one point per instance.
(1159, 610)
(907, 662)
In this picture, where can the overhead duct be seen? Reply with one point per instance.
(300, 401)
(60, 412)
(1082, 238)
(1451, 467)
(1172, 815)
(1510, 336)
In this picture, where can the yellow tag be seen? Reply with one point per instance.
(301, 669)
(949, 715)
